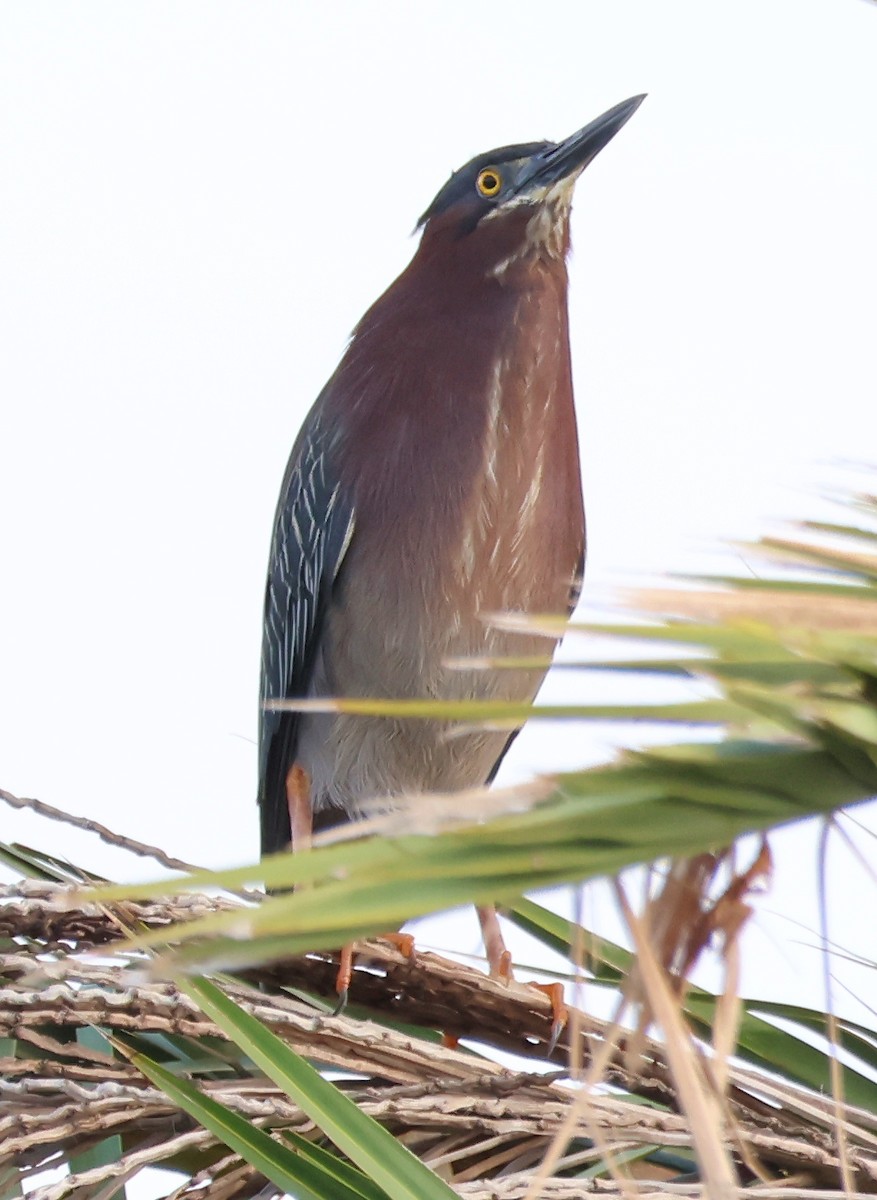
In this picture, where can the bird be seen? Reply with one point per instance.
(434, 483)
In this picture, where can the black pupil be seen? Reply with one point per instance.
(489, 183)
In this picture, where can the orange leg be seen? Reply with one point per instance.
(499, 960)
(298, 798)
(344, 976)
(301, 824)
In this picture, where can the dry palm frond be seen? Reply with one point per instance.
(59, 1096)
(791, 666)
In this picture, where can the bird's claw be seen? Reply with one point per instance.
(559, 1012)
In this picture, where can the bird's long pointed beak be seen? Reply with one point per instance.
(569, 158)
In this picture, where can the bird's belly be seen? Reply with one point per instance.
(399, 641)
(355, 759)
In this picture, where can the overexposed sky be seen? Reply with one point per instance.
(197, 201)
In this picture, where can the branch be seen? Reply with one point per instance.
(106, 835)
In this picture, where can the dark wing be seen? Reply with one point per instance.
(313, 526)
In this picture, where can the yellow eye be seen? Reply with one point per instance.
(489, 182)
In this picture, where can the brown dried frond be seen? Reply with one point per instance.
(685, 916)
(777, 608)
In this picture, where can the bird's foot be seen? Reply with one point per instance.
(500, 963)
(404, 943)
(504, 972)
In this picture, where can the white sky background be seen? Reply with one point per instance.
(197, 202)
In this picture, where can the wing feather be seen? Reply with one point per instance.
(313, 526)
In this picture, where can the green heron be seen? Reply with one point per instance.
(434, 482)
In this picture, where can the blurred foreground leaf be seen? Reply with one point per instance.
(791, 674)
